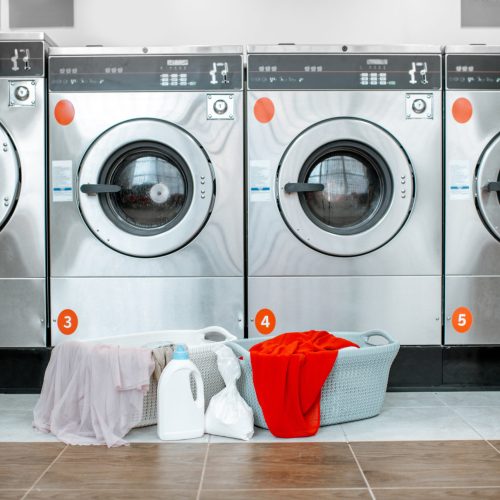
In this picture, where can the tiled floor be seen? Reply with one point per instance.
(364, 470)
(406, 416)
(422, 446)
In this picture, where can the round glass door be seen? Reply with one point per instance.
(155, 184)
(9, 177)
(345, 187)
(487, 188)
(357, 187)
(146, 188)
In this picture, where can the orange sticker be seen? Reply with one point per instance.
(263, 110)
(67, 321)
(64, 112)
(462, 110)
(462, 319)
(265, 321)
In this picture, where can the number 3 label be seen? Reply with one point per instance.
(462, 319)
(67, 321)
(265, 321)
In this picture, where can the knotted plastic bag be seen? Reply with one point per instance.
(228, 414)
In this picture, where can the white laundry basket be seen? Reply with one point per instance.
(355, 388)
(201, 345)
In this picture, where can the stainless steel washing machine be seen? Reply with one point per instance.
(146, 190)
(345, 190)
(22, 189)
(472, 206)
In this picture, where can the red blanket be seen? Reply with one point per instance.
(288, 373)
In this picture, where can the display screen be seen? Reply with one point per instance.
(145, 72)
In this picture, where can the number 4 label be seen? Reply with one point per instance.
(265, 321)
(462, 319)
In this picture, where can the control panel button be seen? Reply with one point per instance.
(418, 106)
(220, 106)
(21, 93)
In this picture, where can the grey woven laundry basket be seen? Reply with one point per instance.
(355, 388)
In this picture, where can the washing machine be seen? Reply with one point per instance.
(345, 190)
(146, 190)
(472, 202)
(22, 189)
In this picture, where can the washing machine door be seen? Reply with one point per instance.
(145, 188)
(345, 187)
(487, 187)
(9, 177)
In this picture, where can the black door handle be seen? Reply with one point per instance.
(493, 186)
(303, 187)
(100, 188)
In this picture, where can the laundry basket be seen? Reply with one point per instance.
(355, 388)
(201, 344)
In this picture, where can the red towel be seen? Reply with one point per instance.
(288, 373)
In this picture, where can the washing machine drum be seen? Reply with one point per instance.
(9, 177)
(487, 187)
(345, 187)
(146, 188)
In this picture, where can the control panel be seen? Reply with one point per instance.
(22, 59)
(145, 73)
(473, 71)
(344, 71)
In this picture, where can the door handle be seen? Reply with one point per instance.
(303, 187)
(493, 186)
(100, 188)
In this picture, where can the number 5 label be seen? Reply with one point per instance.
(462, 319)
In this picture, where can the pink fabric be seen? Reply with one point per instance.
(93, 393)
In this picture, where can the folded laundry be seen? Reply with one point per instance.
(288, 374)
(93, 393)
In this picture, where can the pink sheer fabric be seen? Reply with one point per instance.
(93, 393)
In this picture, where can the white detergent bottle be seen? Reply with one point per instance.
(180, 416)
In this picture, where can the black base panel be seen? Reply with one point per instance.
(446, 368)
(22, 369)
(416, 368)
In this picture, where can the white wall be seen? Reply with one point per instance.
(199, 22)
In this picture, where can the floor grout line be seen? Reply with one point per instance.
(452, 408)
(44, 472)
(203, 471)
(362, 472)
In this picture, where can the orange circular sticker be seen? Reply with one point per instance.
(67, 321)
(462, 319)
(263, 110)
(64, 112)
(462, 110)
(265, 321)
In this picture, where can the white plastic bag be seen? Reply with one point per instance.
(228, 414)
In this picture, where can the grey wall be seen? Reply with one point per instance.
(172, 22)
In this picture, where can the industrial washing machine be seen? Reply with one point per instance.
(22, 189)
(345, 190)
(146, 190)
(472, 201)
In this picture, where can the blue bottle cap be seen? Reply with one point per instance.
(181, 352)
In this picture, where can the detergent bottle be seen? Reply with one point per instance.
(180, 416)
